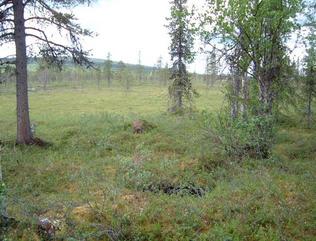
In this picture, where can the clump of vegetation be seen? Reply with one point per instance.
(159, 178)
(241, 138)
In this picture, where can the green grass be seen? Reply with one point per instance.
(95, 176)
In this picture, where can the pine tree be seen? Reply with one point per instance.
(16, 26)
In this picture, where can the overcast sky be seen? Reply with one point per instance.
(125, 27)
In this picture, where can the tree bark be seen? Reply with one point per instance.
(179, 103)
(24, 134)
(265, 97)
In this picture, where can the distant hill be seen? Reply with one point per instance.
(100, 62)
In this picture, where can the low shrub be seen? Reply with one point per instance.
(252, 137)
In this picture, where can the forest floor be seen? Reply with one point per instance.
(100, 181)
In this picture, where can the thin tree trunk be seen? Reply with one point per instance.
(24, 134)
(236, 95)
(265, 97)
(309, 110)
(109, 80)
(45, 80)
(245, 96)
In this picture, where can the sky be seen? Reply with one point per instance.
(126, 27)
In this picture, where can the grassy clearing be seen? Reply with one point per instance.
(101, 181)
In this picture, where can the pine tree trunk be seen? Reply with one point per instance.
(24, 134)
(179, 100)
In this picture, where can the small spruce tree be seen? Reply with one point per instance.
(182, 42)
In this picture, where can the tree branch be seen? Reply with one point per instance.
(4, 3)
(45, 39)
(5, 35)
(77, 54)
(71, 28)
